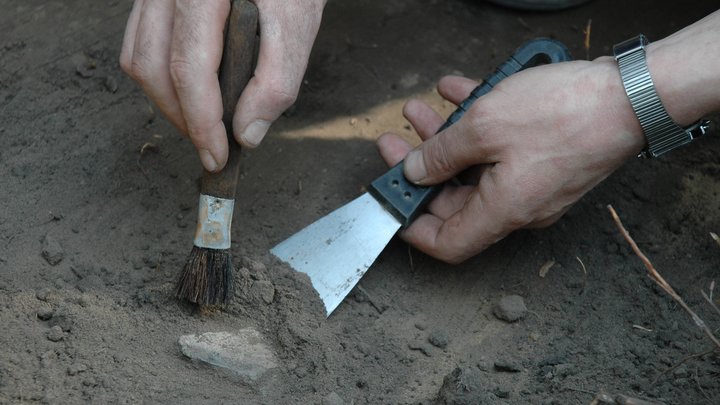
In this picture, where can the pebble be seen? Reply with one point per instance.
(243, 352)
(510, 308)
(76, 368)
(43, 294)
(45, 313)
(263, 290)
(508, 365)
(110, 84)
(439, 338)
(332, 399)
(52, 252)
(55, 334)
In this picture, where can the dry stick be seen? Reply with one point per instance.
(709, 301)
(588, 27)
(657, 278)
(682, 361)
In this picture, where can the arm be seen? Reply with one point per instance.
(173, 50)
(542, 139)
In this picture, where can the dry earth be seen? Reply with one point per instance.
(104, 186)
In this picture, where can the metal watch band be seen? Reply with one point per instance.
(661, 132)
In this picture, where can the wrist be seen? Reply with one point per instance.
(618, 116)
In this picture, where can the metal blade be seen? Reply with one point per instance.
(337, 249)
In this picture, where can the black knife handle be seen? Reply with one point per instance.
(405, 200)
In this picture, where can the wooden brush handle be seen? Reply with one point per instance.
(236, 70)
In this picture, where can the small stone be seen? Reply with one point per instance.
(243, 352)
(510, 308)
(508, 365)
(43, 294)
(110, 84)
(86, 69)
(439, 338)
(565, 370)
(55, 334)
(45, 313)
(420, 325)
(332, 399)
(263, 290)
(76, 368)
(52, 252)
(465, 386)
(257, 269)
(62, 319)
(420, 346)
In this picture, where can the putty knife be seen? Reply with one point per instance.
(337, 250)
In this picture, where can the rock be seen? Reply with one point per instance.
(43, 294)
(257, 269)
(263, 290)
(86, 69)
(76, 368)
(52, 252)
(465, 386)
(510, 308)
(243, 352)
(45, 313)
(55, 334)
(420, 346)
(439, 338)
(332, 399)
(110, 84)
(508, 365)
(62, 318)
(565, 370)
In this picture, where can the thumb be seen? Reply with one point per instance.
(444, 155)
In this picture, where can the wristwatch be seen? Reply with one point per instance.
(661, 132)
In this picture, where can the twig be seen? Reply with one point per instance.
(710, 301)
(697, 381)
(585, 274)
(412, 263)
(370, 300)
(587, 30)
(715, 237)
(655, 276)
(681, 362)
(642, 328)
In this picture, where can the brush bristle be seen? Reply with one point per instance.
(206, 278)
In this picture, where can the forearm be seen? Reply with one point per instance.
(684, 68)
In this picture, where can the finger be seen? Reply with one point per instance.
(286, 38)
(195, 54)
(129, 37)
(392, 148)
(480, 223)
(148, 64)
(456, 88)
(448, 153)
(449, 201)
(423, 118)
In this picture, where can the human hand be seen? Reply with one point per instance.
(173, 49)
(526, 152)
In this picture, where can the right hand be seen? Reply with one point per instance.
(173, 48)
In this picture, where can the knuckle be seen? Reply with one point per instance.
(283, 95)
(437, 158)
(182, 73)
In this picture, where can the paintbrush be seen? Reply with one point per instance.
(207, 278)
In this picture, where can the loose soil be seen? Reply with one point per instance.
(96, 179)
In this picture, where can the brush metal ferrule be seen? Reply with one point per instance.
(214, 221)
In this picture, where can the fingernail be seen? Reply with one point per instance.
(208, 161)
(415, 170)
(255, 132)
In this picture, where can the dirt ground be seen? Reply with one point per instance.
(98, 196)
